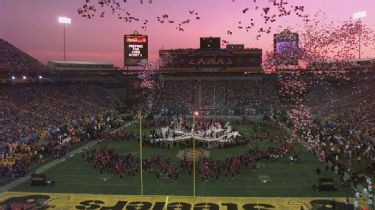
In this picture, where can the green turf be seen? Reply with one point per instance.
(77, 176)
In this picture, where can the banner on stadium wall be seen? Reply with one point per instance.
(18, 200)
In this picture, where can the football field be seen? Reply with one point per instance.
(271, 178)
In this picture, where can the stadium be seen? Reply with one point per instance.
(217, 126)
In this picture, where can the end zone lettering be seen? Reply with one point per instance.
(318, 204)
(68, 201)
(145, 205)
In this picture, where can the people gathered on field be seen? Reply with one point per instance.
(107, 159)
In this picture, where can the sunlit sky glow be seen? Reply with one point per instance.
(33, 27)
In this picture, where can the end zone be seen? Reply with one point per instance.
(133, 202)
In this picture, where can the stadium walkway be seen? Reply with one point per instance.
(49, 165)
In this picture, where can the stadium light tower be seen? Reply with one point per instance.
(64, 21)
(359, 16)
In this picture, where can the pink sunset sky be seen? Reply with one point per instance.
(32, 25)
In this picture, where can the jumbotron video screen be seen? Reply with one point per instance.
(135, 49)
(286, 44)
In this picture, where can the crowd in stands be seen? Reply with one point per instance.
(12, 57)
(239, 96)
(47, 119)
(337, 123)
(252, 94)
(29, 110)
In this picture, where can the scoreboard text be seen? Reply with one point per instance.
(135, 50)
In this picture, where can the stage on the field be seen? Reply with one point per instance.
(273, 178)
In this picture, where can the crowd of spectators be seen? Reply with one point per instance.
(337, 123)
(241, 96)
(12, 57)
(47, 119)
(29, 110)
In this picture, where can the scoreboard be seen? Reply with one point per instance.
(210, 43)
(286, 47)
(135, 49)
